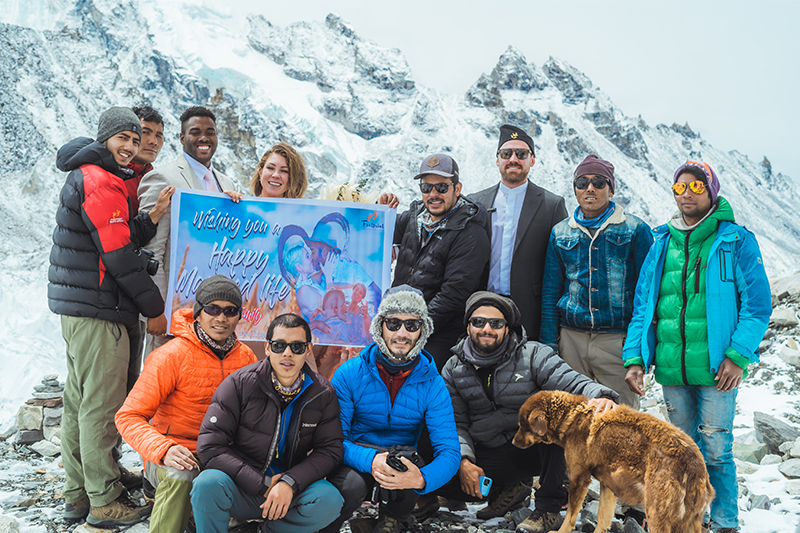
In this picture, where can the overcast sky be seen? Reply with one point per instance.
(731, 69)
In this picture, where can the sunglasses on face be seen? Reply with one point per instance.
(441, 188)
(697, 187)
(297, 347)
(411, 324)
(215, 310)
(494, 323)
(583, 182)
(521, 153)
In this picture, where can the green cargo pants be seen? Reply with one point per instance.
(98, 367)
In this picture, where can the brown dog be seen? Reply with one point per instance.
(635, 457)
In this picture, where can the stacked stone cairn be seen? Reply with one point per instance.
(38, 421)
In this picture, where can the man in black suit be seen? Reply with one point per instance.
(522, 215)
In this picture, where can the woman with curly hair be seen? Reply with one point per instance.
(281, 173)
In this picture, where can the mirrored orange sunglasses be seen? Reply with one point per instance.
(697, 187)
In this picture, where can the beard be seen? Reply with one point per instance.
(486, 344)
(401, 351)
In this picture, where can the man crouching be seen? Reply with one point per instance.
(271, 434)
(388, 393)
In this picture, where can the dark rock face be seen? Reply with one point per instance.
(571, 86)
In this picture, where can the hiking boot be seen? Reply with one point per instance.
(728, 530)
(148, 490)
(507, 500)
(128, 479)
(387, 524)
(120, 512)
(427, 505)
(540, 522)
(77, 511)
(454, 505)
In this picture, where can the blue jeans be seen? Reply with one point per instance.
(706, 415)
(216, 498)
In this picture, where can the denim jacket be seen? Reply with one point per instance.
(589, 282)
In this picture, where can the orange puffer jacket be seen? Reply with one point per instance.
(170, 398)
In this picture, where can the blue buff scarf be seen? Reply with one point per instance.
(595, 222)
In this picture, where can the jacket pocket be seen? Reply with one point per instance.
(725, 265)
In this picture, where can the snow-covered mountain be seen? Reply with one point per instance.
(351, 107)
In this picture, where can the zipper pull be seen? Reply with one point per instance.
(697, 276)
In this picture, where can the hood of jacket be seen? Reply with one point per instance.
(85, 151)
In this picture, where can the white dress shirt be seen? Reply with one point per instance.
(505, 218)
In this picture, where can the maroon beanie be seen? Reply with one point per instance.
(594, 165)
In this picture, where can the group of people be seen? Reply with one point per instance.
(495, 296)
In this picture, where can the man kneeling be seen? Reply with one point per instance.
(161, 416)
(388, 393)
(271, 434)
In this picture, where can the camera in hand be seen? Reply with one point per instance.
(152, 262)
(393, 459)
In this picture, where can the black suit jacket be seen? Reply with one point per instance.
(540, 212)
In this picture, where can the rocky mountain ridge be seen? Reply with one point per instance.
(351, 106)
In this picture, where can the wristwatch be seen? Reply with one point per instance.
(289, 480)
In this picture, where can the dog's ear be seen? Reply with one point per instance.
(538, 422)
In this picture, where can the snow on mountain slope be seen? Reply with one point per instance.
(351, 107)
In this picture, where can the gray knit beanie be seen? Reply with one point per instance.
(505, 305)
(115, 120)
(402, 300)
(216, 288)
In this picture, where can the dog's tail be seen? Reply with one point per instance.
(699, 494)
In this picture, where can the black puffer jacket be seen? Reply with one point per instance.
(448, 267)
(526, 369)
(96, 268)
(241, 429)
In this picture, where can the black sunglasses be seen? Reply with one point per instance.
(411, 324)
(521, 153)
(297, 347)
(597, 182)
(215, 310)
(441, 188)
(494, 323)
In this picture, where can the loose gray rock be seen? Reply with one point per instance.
(50, 377)
(518, 516)
(47, 395)
(8, 524)
(752, 453)
(793, 487)
(52, 433)
(46, 448)
(631, 526)
(745, 468)
(773, 432)
(789, 355)
(28, 436)
(784, 316)
(770, 459)
(29, 417)
(795, 450)
(769, 334)
(760, 501)
(790, 468)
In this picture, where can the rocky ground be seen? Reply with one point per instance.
(767, 450)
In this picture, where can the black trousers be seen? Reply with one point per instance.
(356, 487)
(507, 465)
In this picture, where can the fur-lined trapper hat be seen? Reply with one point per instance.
(402, 300)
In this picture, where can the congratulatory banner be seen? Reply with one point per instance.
(327, 261)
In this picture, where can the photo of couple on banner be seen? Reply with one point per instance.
(328, 261)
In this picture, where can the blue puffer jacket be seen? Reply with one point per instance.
(738, 302)
(369, 416)
(589, 282)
